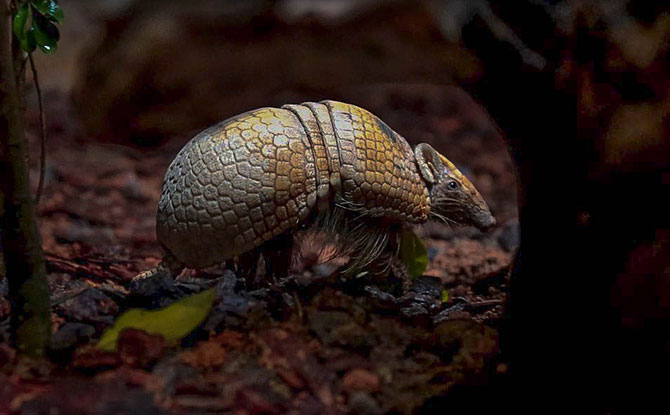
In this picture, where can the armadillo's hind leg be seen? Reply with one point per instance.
(278, 254)
(168, 264)
(247, 266)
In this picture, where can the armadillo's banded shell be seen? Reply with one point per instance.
(378, 166)
(250, 178)
(322, 156)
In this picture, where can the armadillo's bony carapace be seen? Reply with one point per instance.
(261, 174)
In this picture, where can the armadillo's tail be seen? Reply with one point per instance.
(169, 264)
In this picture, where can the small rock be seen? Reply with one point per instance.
(226, 285)
(456, 310)
(91, 305)
(231, 308)
(413, 311)
(360, 380)
(156, 291)
(151, 285)
(362, 403)
(70, 334)
(426, 292)
(381, 299)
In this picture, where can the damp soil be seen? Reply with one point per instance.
(308, 344)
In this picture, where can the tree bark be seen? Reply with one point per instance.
(21, 244)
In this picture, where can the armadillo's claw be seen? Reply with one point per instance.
(167, 265)
(148, 273)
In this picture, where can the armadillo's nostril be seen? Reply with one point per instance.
(485, 222)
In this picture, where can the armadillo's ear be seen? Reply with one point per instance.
(428, 161)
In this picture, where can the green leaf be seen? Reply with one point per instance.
(172, 322)
(46, 35)
(445, 296)
(26, 37)
(19, 22)
(49, 8)
(413, 253)
(41, 6)
(28, 43)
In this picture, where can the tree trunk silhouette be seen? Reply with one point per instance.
(21, 245)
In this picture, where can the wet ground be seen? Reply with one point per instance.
(307, 346)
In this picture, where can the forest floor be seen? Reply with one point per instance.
(313, 347)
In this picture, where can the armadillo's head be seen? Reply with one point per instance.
(453, 197)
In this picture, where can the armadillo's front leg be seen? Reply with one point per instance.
(247, 266)
(401, 272)
(167, 265)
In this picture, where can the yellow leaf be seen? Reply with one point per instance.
(172, 322)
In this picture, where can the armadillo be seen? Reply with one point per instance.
(263, 173)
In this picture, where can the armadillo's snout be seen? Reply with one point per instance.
(486, 221)
(483, 220)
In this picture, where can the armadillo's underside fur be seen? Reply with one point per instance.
(253, 177)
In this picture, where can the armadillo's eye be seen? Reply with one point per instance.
(452, 185)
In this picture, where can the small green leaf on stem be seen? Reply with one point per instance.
(25, 37)
(49, 8)
(46, 35)
(41, 6)
(28, 43)
(172, 322)
(413, 253)
(19, 22)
